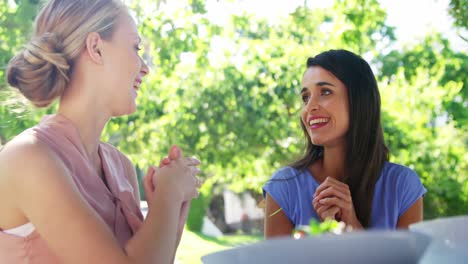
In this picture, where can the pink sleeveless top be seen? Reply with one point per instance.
(115, 204)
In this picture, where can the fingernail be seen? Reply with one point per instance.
(176, 150)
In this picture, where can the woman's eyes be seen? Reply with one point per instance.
(323, 92)
(326, 92)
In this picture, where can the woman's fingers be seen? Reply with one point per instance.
(198, 182)
(164, 162)
(178, 172)
(180, 175)
(332, 201)
(315, 204)
(321, 209)
(191, 161)
(175, 152)
(187, 161)
(333, 191)
(148, 185)
(332, 213)
(194, 170)
(329, 181)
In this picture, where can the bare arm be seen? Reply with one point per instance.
(175, 153)
(45, 188)
(414, 214)
(276, 222)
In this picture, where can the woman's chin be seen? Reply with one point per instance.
(124, 112)
(316, 139)
(317, 142)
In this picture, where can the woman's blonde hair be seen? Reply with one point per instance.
(41, 70)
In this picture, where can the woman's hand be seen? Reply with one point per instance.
(174, 154)
(332, 199)
(151, 179)
(177, 171)
(148, 186)
(148, 183)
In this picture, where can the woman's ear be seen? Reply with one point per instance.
(94, 47)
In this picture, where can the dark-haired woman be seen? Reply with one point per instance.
(344, 174)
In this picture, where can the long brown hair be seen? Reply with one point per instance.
(366, 151)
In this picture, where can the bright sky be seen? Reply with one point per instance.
(412, 18)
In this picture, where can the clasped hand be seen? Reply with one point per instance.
(176, 173)
(332, 200)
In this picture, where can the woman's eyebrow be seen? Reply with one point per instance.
(324, 84)
(304, 89)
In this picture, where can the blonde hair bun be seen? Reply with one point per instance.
(41, 71)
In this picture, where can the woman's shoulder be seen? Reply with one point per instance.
(26, 158)
(287, 173)
(399, 174)
(25, 146)
(396, 170)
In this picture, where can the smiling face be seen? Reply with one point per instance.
(325, 112)
(124, 67)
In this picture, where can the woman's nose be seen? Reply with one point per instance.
(144, 68)
(312, 104)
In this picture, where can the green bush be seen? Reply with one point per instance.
(196, 213)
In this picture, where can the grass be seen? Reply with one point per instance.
(195, 245)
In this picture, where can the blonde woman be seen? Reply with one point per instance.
(66, 197)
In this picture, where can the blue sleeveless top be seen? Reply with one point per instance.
(397, 188)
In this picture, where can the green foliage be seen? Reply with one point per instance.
(420, 131)
(229, 94)
(16, 20)
(434, 54)
(197, 212)
(317, 228)
(459, 11)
